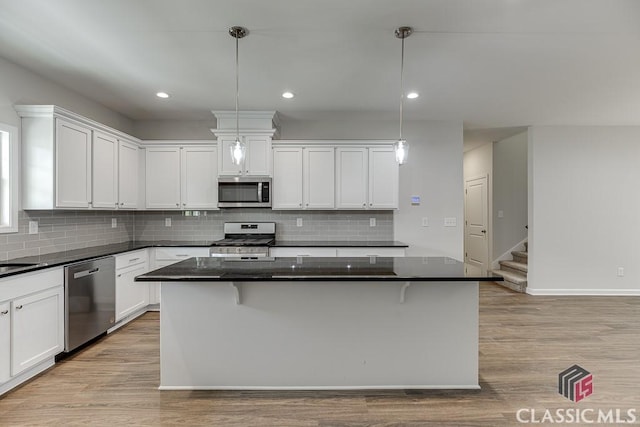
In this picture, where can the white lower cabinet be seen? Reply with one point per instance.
(131, 296)
(5, 342)
(31, 324)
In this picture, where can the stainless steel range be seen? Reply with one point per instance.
(245, 240)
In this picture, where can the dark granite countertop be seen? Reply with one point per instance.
(339, 244)
(313, 269)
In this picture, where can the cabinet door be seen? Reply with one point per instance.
(131, 296)
(225, 166)
(37, 328)
(163, 177)
(383, 179)
(73, 165)
(128, 168)
(199, 178)
(5, 342)
(351, 178)
(258, 158)
(318, 180)
(104, 152)
(287, 178)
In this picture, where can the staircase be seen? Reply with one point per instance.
(514, 272)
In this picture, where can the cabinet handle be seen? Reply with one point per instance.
(133, 259)
(364, 204)
(182, 254)
(184, 204)
(307, 204)
(370, 204)
(300, 205)
(19, 307)
(122, 204)
(4, 312)
(119, 275)
(116, 203)
(178, 204)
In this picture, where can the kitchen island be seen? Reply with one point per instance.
(318, 323)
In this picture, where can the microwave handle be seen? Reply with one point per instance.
(259, 191)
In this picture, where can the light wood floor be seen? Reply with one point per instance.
(525, 342)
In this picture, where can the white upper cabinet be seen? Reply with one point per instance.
(257, 160)
(287, 178)
(181, 177)
(72, 162)
(105, 170)
(318, 177)
(199, 178)
(351, 177)
(383, 178)
(73, 165)
(128, 175)
(163, 177)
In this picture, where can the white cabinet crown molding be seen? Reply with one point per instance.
(45, 111)
(248, 119)
(244, 132)
(176, 142)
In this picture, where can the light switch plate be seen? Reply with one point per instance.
(450, 221)
(114, 222)
(33, 227)
(298, 222)
(167, 222)
(372, 222)
(500, 214)
(425, 221)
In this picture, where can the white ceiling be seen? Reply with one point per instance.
(491, 63)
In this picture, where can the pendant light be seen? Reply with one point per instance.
(238, 147)
(401, 147)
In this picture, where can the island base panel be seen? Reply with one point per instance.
(319, 335)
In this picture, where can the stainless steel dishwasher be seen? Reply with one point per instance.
(89, 300)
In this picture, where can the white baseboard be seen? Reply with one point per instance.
(327, 388)
(585, 292)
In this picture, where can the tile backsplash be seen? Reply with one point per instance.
(68, 230)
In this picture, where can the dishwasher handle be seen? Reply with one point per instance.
(85, 273)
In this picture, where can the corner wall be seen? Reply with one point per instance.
(584, 210)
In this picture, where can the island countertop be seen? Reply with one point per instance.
(314, 269)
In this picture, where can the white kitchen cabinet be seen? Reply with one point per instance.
(287, 178)
(351, 177)
(73, 165)
(181, 177)
(383, 178)
(36, 328)
(69, 161)
(257, 160)
(170, 255)
(371, 251)
(5, 341)
(199, 170)
(163, 177)
(367, 178)
(128, 173)
(104, 171)
(131, 296)
(318, 165)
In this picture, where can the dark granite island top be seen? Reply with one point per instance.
(314, 269)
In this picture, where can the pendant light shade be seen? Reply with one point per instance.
(238, 148)
(401, 147)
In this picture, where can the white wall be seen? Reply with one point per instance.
(433, 172)
(509, 193)
(584, 210)
(21, 86)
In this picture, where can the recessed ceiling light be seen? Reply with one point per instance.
(288, 95)
(412, 95)
(162, 95)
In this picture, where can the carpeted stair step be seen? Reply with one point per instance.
(520, 256)
(515, 267)
(512, 280)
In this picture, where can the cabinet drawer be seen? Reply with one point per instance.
(132, 258)
(172, 254)
(368, 252)
(296, 252)
(27, 283)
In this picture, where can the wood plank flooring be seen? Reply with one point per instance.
(525, 342)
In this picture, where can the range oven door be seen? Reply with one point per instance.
(244, 192)
(247, 252)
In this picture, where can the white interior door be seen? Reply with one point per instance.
(476, 226)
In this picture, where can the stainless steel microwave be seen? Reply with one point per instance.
(244, 192)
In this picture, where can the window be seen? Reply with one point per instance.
(8, 179)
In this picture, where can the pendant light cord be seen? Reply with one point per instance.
(237, 93)
(401, 84)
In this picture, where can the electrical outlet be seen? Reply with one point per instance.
(450, 222)
(425, 221)
(372, 222)
(500, 214)
(620, 271)
(114, 222)
(196, 213)
(298, 222)
(33, 227)
(167, 222)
